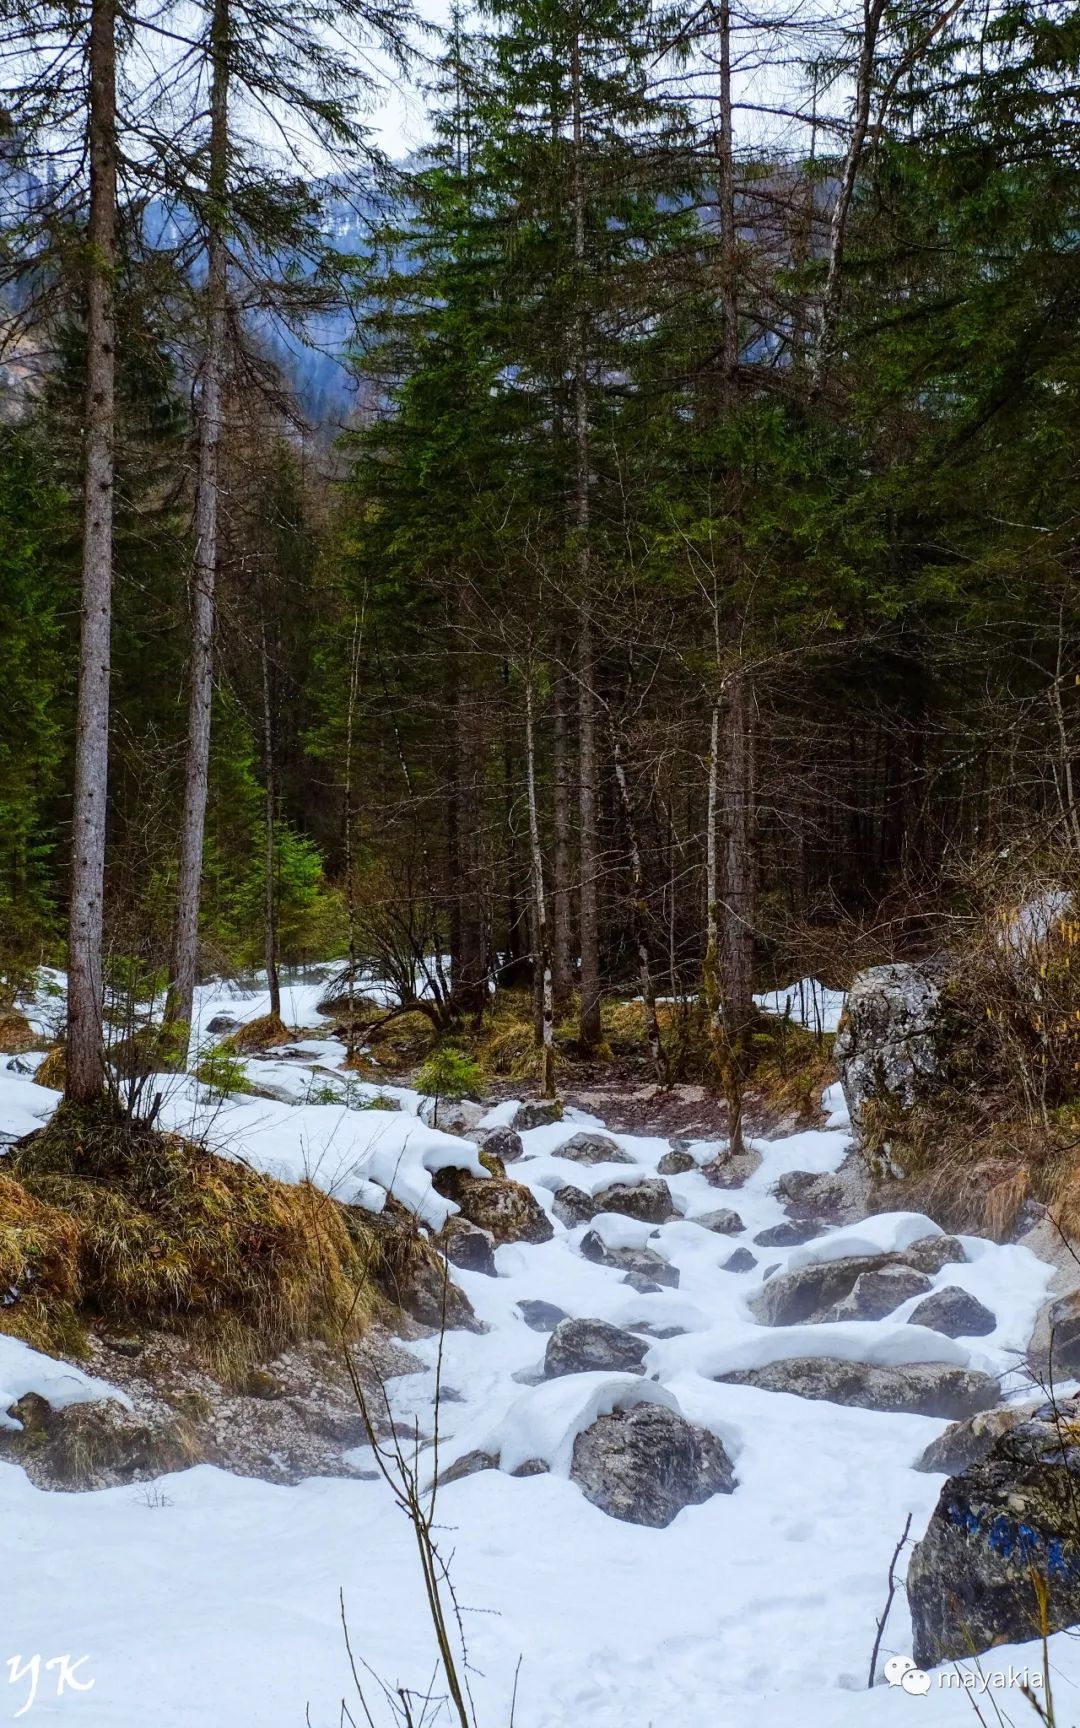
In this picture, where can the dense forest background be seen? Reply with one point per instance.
(689, 599)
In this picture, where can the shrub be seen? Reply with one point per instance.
(449, 1073)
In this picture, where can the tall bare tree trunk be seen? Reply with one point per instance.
(729, 309)
(589, 846)
(85, 1047)
(272, 980)
(546, 1028)
(711, 970)
(873, 13)
(562, 964)
(737, 933)
(641, 933)
(185, 948)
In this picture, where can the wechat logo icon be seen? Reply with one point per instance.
(901, 1671)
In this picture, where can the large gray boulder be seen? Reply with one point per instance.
(572, 1206)
(969, 1442)
(916, 1388)
(891, 1040)
(811, 1292)
(637, 1263)
(467, 1246)
(503, 1142)
(593, 1149)
(646, 1464)
(452, 1115)
(588, 1346)
(955, 1313)
(876, 1294)
(1002, 1546)
(538, 1113)
(648, 1200)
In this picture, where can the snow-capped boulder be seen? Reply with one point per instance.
(452, 1115)
(467, 1246)
(502, 1142)
(539, 1113)
(588, 1346)
(1001, 1546)
(931, 1253)
(507, 1209)
(636, 1262)
(791, 1233)
(572, 1206)
(647, 1464)
(676, 1163)
(891, 1040)
(810, 1292)
(956, 1313)
(741, 1261)
(593, 1149)
(875, 1294)
(917, 1388)
(540, 1316)
(648, 1199)
(723, 1222)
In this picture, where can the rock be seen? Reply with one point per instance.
(583, 1346)
(648, 1199)
(918, 1388)
(875, 1294)
(790, 1234)
(532, 1467)
(537, 1114)
(730, 1169)
(646, 1464)
(640, 1261)
(676, 1164)
(507, 1209)
(573, 1206)
(954, 1312)
(931, 1253)
(643, 1285)
(414, 1275)
(809, 1192)
(969, 1442)
(469, 1464)
(1003, 1524)
(505, 1144)
(721, 1223)
(1063, 1318)
(741, 1261)
(88, 1446)
(890, 1043)
(810, 1292)
(452, 1115)
(467, 1246)
(540, 1316)
(593, 1149)
(222, 1023)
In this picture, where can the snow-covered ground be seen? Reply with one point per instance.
(213, 1601)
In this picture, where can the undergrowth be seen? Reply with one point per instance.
(104, 1218)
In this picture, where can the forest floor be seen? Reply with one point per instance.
(205, 1598)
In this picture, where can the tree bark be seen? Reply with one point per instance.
(546, 1028)
(272, 980)
(185, 948)
(562, 941)
(85, 1045)
(589, 853)
(729, 310)
(737, 934)
(641, 933)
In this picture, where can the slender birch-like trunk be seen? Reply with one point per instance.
(562, 960)
(85, 1044)
(185, 947)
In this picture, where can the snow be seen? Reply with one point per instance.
(23, 1370)
(220, 1597)
(807, 1003)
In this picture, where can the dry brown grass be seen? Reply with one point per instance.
(53, 1071)
(39, 1268)
(168, 1234)
(17, 1036)
(265, 1033)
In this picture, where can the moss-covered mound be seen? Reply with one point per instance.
(262, 1034)
(100, 1217)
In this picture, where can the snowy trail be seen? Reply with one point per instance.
(213, 1601)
